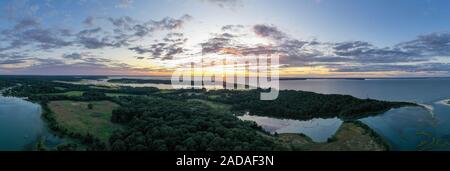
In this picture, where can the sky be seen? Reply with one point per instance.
(314, 38)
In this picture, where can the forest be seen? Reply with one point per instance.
(293, 104)
(170, 125)
(169, 120)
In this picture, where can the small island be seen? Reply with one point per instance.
(301, 105)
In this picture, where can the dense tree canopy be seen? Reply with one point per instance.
(168, 125)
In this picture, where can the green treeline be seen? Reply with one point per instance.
(139, 81)
(168, 125)
(293, 104)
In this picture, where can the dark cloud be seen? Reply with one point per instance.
(86, 57)
(90, 32)
(232, 28)
(172, 45)
(95, 39)
(364, 52)
(81, 69)
(122, 23)
(29, 32)
(96, 60)
(43, 38)
(437, 44)
(12, 61)
(171, 23)
(217, 43)
(89, 21)
(351, 56)
(27, 23)
(12, 55)
(97, 43)
(125, 30)
(427, 67)
(74, 56)
(267, 31)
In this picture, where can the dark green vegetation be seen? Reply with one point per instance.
(161, 124)
(139, 81)
(296, 104)
(351, 136)
(127, 118)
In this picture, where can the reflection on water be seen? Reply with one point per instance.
(21, 125)
(319, 130)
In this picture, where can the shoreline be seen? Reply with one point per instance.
(445, 102)
(363, 138)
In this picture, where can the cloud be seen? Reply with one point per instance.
(80, 69)
(96, 39)
(217, 43)
(28, 31)
(11, 61)
(364, 52)
(437, 44)
(171, 23)
(427, 67)
(267, 31)
(27, 23)
(352, 56)
(232, 28)
(74, 56)
(89, 21)
(126, 30)
(87, 64)
(30, 34)
(86, 57)
(173, 45)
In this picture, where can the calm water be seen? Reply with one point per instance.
(21, 125)
(409, 128)
(319, 130)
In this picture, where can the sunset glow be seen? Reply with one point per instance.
(138, 37)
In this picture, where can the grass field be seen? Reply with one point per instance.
(213, 105)
(69, 93)
(104, 87)
(77, 118)
(118, 94)
(80, 93)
